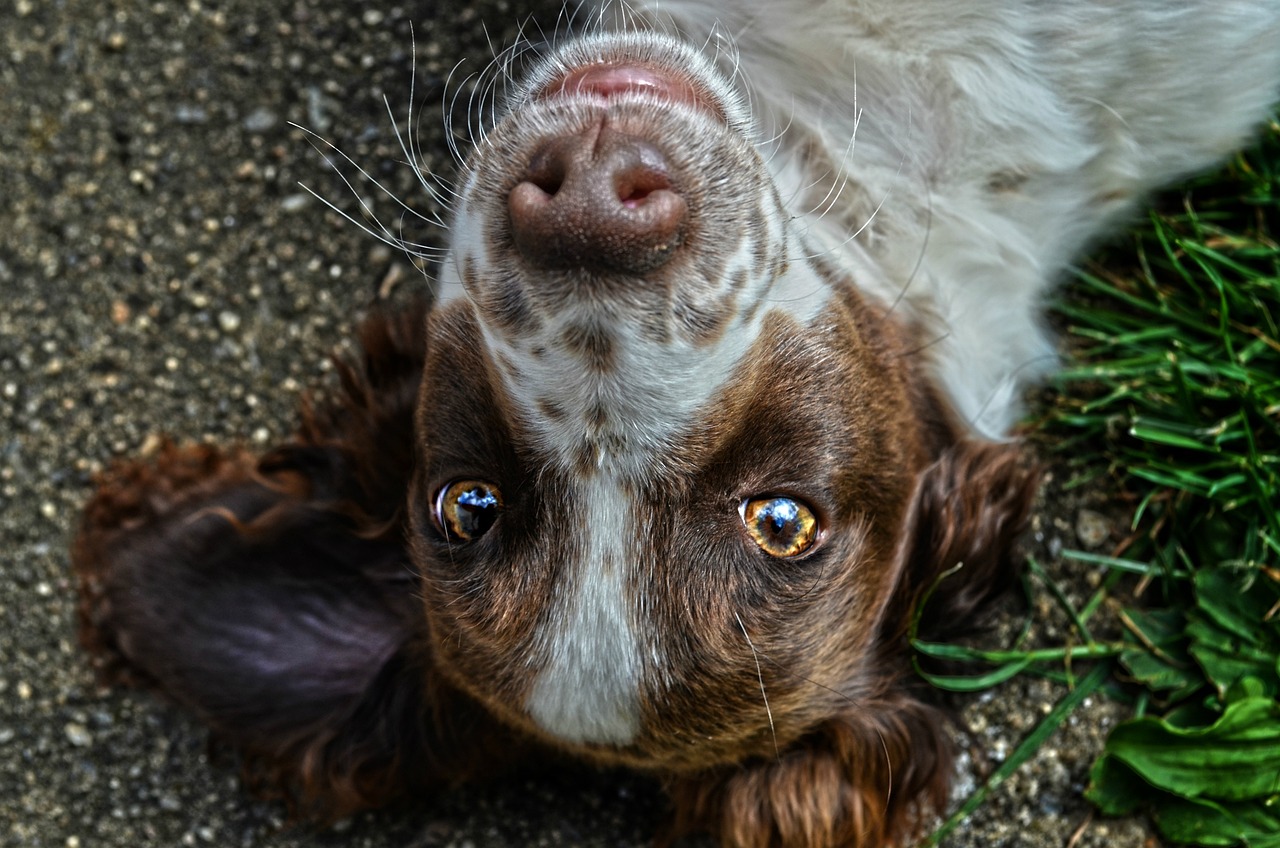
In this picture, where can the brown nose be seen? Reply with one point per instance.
(600, 200)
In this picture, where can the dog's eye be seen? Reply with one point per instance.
(782, 527)
(466, 509)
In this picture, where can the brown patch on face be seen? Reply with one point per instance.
(593, 344)
(483, 599)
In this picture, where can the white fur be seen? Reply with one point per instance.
(1076, 109)
(588, 690)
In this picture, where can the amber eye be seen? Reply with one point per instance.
(466, 509)
(782, 527)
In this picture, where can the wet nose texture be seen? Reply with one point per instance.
(599, 200)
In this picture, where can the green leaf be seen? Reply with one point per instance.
(1238, 602)
(1118, 790)
(1168, 667)
(1230, 635)
(1235, 759)
(975, 683)
(1226, 659)
(1197, 821)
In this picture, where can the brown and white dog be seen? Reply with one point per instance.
(736, 299)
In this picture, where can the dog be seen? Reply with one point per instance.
(737, 307)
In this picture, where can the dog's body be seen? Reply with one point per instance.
(695, 423)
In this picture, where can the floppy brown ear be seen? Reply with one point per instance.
(864, 779)
(970, 507)
(273, 595)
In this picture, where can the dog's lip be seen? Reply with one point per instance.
(605, 80)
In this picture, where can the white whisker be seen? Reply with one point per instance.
(763, 694)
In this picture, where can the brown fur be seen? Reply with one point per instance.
(176, 552)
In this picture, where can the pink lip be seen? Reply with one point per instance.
(607, 81)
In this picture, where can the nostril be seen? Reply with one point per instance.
(547, 171)
(635, 187)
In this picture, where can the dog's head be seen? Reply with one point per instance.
(671, 459)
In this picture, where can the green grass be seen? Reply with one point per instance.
(1171, 403)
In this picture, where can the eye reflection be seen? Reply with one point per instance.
(782, 527)
(466, 509)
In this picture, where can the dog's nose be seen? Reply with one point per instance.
(601, 200)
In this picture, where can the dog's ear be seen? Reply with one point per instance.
(273, 596)
(970, 507)
(239, 590)
(866, 779)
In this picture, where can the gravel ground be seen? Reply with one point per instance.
(162, 271)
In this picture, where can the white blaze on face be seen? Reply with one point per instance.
(589, 688)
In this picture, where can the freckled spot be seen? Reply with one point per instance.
(503, 305)
(653, 329)
(592, 343)
(551, 410)
(1114, 196)
(760, 246)
(1005, 182)
(587, 458)
(830, 273)
(597, 416)
(703, 325)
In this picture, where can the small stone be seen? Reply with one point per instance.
(260, 120)
(188, 114)
(228, 321)
(1092, 528)
(78, 735)
(120, 312)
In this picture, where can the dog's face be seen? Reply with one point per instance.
(667, 456)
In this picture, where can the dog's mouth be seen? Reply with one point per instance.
(608, 80)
